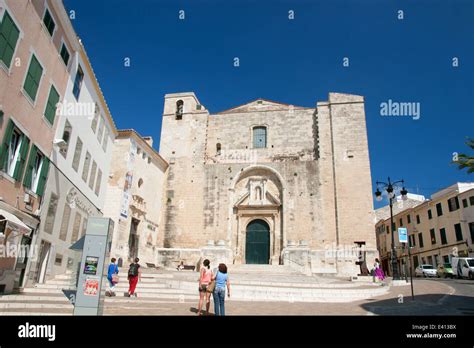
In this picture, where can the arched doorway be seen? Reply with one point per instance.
(257, 245)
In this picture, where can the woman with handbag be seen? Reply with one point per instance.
(112, 277)
(205, 279)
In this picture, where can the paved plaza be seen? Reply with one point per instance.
(279, 291)
(432, 297)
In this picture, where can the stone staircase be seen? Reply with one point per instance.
(42, 299)
(170, 287)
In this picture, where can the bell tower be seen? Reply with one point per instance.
(183, 144)
(183, 126)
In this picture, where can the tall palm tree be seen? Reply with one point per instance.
(465, 161)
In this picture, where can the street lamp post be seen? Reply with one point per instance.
(389, 188)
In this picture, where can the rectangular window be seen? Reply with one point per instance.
(439, 209)
(430, 216)
(453, 203)
(58, 260)
(92, 177)
(471, 231)
(51, 214)
(51, 105)
(94, 122)
(415, 261)
(14, 151)
(420, 239)
(433, 236)
(100, 132)
(76, 227)
(442, 233)
(77, 155)
(409, 219)
(36, 172)
(85, 169)
(401, 221)
(33, 78)
(66, 137)
(65, 222)
(464, 203)
(458, 230)
(98, 182)
(78, 82)
(9, 34)
(49, 22)
(106, 140)
(471, 200)
(259, 137)
(418, 219)
(64, 54)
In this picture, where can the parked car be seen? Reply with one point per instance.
(425, 271)
(444, 271)
(463, 267)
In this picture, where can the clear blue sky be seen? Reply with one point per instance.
(297, 62)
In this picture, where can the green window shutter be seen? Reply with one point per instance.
(53, 100)
(9, 34)
(25, 143)
(33, 78)
(29, 167)
(43, 176)
(7, 137)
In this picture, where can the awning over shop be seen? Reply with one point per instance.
(14, 222)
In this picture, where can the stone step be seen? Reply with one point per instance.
(156, 290)
(150, 295)
(53, 286)
(262, 269)
(151, 275)
(37, 311)
(44, 290)
(59, 282)
(142, 300)
(59, 298)
(33, 305)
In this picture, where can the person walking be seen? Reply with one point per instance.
(205, 277)
(134, 275)
(222, 280)
(378, 272)
(112, 277)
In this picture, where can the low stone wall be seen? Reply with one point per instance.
(308, 261)
(171, 257)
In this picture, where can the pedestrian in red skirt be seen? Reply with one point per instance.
(134, 275)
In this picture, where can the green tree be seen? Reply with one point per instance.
(464, 161)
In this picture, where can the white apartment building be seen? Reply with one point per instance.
(80, 164)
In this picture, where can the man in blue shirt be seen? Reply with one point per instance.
(112, 277)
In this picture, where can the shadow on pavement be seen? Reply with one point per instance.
(431, 304)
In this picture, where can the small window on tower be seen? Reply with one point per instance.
(259, 137)
(218, 148)
(179, 109)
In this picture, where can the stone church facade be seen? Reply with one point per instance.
(267, 183)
